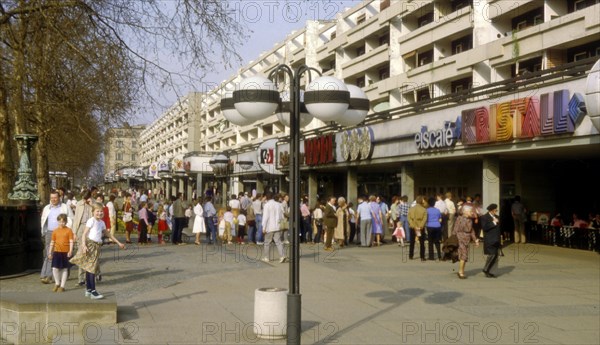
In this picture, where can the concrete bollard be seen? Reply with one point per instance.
(270, 313)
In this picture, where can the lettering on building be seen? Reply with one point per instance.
(437, 139)
(319, 150)
(525, 118)
(357, 144)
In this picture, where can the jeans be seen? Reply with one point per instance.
(404, 222)
(211, 229)
(259, 233)
(305, 230)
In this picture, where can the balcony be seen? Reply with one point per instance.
(499, 8)
(363, 30)
(298, 54)
(446, 26)
(362, 63)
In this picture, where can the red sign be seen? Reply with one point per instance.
(319, 150)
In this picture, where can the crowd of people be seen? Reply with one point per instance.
(262, 219)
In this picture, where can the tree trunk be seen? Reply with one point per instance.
(7, 170)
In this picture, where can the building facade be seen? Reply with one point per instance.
(487, 97)
(122, 152)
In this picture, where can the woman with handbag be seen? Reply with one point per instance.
(128, 217)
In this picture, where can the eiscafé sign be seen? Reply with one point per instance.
(436, 139)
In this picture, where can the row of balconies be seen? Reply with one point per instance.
(443, 65)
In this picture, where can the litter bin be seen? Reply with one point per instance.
(270, 313)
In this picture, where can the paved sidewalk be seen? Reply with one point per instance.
(205, 295)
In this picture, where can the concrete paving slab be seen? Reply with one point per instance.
(205, 295)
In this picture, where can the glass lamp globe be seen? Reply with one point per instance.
(230, 113)
(285, 108)
(256, 98)
(219, 162)
(327, 98)
(358, 109)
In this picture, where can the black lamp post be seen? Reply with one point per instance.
(326, 98)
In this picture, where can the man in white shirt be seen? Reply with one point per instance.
(441, 206)
(272, 214)
(451, 208)
(49, 222)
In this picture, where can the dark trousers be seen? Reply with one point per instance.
(90, 281)
(352, 233)
(433, 236)
(305, 230)
(490, 262)
(411, 248)
(317, 238)
(178, 225)
(143, 232)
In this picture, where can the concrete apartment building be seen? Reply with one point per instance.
(466, 96)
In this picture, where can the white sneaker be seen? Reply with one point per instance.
(260, 243)
(283, 259)
(88, 293)
(95, 295)
(265, 259)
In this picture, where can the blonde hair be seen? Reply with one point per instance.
(97, 206)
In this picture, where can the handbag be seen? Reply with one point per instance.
(284, 224)
(127, 217)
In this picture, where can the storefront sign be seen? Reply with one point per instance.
(437, 139)
(530, 117)
(163, 167)
(266, 155)
(153, 170)
(319, 150)
(357, 144)
(177, 165)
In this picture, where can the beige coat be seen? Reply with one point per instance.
(342, 228)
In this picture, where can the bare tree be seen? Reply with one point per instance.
(73, 68)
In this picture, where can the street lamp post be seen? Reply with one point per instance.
(326, 98)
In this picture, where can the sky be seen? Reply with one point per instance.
(270, 21)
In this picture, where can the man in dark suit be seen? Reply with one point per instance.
(329, 222)
(490, 224)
